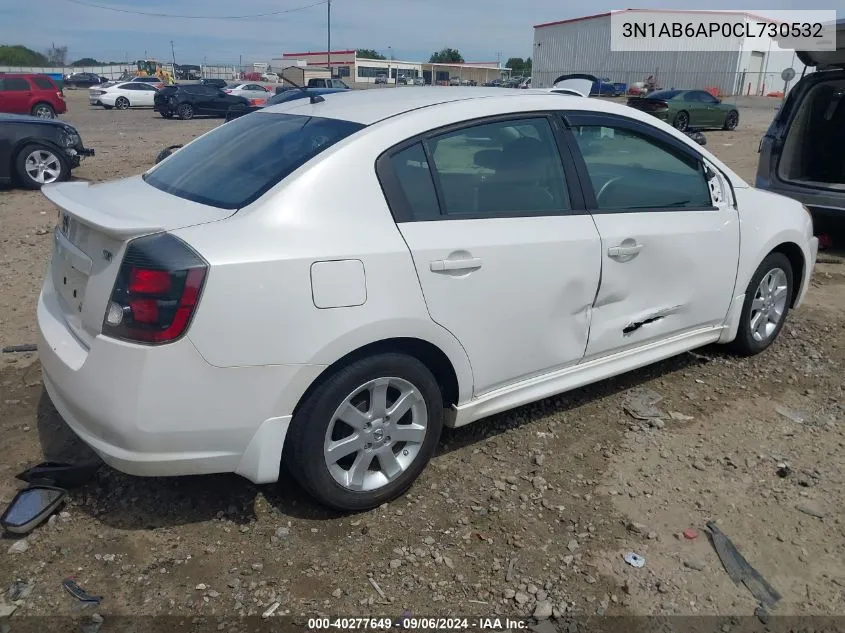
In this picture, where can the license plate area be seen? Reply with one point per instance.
(70, 268)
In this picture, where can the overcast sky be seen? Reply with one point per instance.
(480, 29)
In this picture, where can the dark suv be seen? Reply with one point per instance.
(801, 154)
(186, 101)
(31, 94)
(83, 80)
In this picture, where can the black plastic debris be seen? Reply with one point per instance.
(739, 570)
(27, 347)
(79, 593)
(61, 474)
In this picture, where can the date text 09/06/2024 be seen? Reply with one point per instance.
(722, 29)
(416, 624)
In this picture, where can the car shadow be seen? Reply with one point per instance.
(126, 502)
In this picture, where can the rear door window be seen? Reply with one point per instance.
(235, 164)
(43, 83)
(15, 84)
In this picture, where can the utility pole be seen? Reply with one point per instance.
(173, 53)
(329, 34)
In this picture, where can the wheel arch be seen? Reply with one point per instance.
(39, 102)
(796, 259)
(429, 354)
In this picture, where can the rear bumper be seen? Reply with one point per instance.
(165, 411)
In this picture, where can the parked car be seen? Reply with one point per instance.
(454, 81)
(156, 82)
(418, 81)
(237, 111)
(801, 152)
(604, 87)
(129, 94)
(271, 77)
(248, 90)
(32, 94)
(319, 82)
(217, 83)
(352, 323)
(402, 80)
(526, 83)
(37, 151)
(381, 78)
(83, 80)
(188, 72)
(189, 100)
(688, 109)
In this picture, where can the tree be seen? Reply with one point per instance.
(446, 56)
(56, 55)
(17, 55)
(87, 61)
(519, 67)
(369, 53)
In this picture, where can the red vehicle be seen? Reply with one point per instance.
(31, 94)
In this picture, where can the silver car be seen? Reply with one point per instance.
(248, 90)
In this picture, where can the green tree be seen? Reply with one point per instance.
(87, 61)
(369, 53)
(527, 67)
(517, 66)
(17, 55)
(446, 56)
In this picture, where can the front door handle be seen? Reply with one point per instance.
(624, 250)
(442, 265)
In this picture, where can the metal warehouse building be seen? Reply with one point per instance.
(736, 66)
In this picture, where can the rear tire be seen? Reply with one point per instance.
(43, 111)
(681, 122)
(121, 103)
(37, 165)
(767, 301)
(185, 112)
(326, 419)
(731, 120)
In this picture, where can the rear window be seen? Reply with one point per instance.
(239, 161)
(44, 83)
(664, 95)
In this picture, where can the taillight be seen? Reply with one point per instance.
(60, 95)
(228, 92)
(156, 292)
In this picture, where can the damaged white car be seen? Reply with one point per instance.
(224, 313)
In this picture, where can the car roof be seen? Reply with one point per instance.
(370, 106)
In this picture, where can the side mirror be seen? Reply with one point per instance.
(31, 507)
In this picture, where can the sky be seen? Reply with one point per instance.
(483, 30)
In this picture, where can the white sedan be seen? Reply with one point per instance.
(221, 313)
(123, 95)
(249, 91)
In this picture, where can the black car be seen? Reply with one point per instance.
(217, 83)
(186, 101)
(35, 151)
(83, 80)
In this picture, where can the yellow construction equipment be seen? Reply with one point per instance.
(152, 68)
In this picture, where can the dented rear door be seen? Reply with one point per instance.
(669, 233)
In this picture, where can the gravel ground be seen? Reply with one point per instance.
(525, 513)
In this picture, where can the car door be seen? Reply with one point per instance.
(507, 259)
(713, 113)
(205, 99)
(15, 94)
(669, 233)
(697, 110)
(144, 95)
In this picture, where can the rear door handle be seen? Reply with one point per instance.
(442, 265)
(629, 250)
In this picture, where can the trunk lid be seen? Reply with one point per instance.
(647, 105)
(94, 225)
(580, 83)
(827, 59)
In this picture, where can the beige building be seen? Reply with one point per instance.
(346, 65)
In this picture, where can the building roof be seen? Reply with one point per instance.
(606, 14)
(317, 53)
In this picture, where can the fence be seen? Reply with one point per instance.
(115, 71)
(722, 84)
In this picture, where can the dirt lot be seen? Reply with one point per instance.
(526, 512)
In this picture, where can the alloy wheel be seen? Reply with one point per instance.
(375, 434)
(769, 305)
(43, 166)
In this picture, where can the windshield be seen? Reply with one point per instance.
(664, 95)
(235, 164)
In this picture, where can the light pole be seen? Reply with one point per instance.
(389, 71)
(173, 53)
(329, 34)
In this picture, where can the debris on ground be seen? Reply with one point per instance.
(690, 534)
(79, 593)
(796, 416)
(810, 510)
(26, 347)
(739, 570)
(639, 404)
(18, 590)
(783, 470)
(634, 560)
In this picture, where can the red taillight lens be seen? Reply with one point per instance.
(156, 292)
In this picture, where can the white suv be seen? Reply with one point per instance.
(475, 251)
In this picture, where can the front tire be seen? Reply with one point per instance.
(766, 305)
(121, 103)
(731, 120)
(366, 433)
(681, 121)
(37, 165)
(185, 112)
